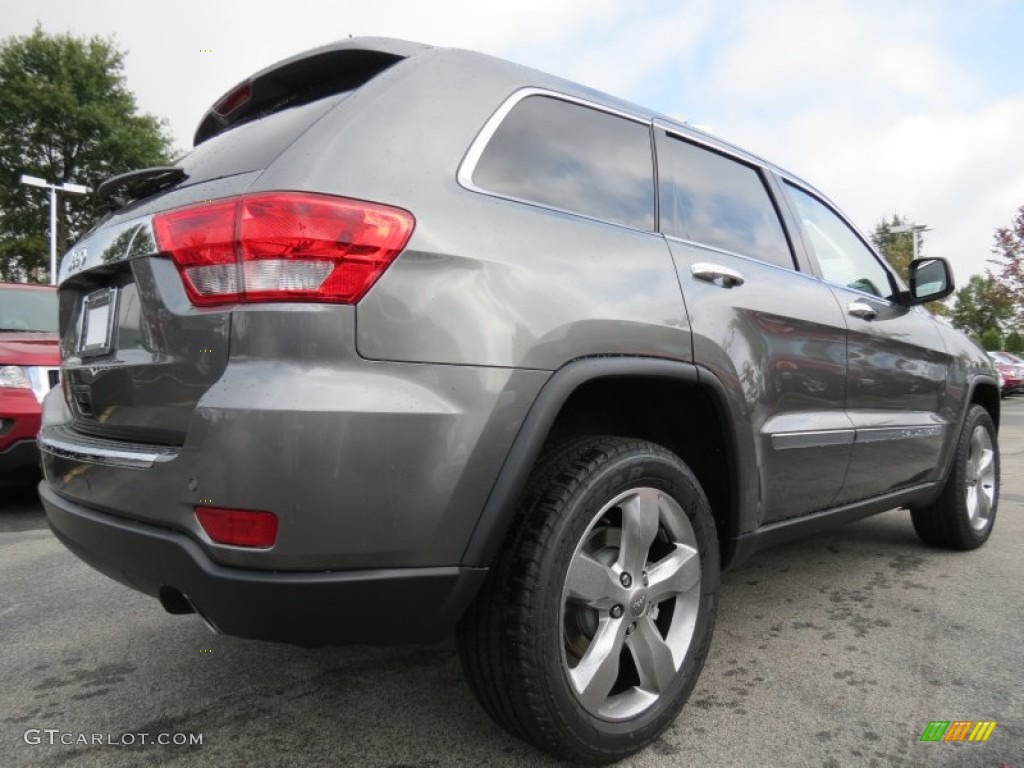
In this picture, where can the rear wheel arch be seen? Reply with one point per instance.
(985, 392)
(674, 404)
(982, 391)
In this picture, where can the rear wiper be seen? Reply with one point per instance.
(121, 190)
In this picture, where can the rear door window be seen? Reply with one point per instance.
(572, 157)
(709, 198)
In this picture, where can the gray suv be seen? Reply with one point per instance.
(418, 340)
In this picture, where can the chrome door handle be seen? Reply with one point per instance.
(861, 309)
(717, 274)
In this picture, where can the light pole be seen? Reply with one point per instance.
(915, 231)
(74, 189)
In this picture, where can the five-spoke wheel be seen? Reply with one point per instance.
(591, 629)
(632, 587)
(962, 515)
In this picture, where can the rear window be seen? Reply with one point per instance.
(254, 145)
(572, 157)
(23, 309)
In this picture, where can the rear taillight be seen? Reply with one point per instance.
(239, 527)
(282, 246)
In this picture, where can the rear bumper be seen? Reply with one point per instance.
(366, 465)
(379, 606)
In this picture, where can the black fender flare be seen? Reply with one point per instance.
(500, 507)
(973, 383)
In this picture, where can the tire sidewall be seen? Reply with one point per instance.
(623, 472)
(977, 416)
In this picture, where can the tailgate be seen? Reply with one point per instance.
(137, 355)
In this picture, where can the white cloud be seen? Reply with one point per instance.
(865, 101)
(625, 48)
(959, 171)
(793, 52)
(871, 100)
(173, 78)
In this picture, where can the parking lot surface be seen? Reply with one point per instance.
(837, 650)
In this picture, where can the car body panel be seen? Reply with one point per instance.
(397, 434)
(338, 428)
(896, 388)
(783, 363)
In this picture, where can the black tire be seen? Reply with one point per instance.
(963, 514)
(591, 504)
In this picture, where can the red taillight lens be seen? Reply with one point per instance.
(282, 246)
(233, 99)
(239, 527)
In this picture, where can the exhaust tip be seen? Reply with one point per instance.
(174, 601)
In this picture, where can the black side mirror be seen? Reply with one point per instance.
(930, 280)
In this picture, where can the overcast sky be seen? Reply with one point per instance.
(912, 107)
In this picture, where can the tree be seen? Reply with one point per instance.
(898, 250)
(991, 339)
(1009, 260)
(981, 305)
(65, 115)
(1014, 343)
(896, 247)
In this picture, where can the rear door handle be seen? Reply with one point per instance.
(861, 309)
(717, 274)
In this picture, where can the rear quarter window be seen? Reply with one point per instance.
(573, 157)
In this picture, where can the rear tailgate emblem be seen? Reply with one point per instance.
(77, 259)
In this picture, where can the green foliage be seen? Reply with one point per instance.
(981, 305)
(1009, 261)
(1014, 343)
(898, 250)
(896, 247)
(991, 339)
(65, 115)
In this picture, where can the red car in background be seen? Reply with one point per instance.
(1011, 368)
(29, 367)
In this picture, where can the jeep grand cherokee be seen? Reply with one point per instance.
(416, 340)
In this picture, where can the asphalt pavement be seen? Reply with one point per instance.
(837, 650)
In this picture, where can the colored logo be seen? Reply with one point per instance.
(958, 730)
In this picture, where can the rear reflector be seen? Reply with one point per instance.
(239, 527)
(282, 246)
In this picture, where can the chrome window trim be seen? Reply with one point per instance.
(758, 166)
(467, 167)
(732, 153)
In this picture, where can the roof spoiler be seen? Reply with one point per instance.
(309, 76)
